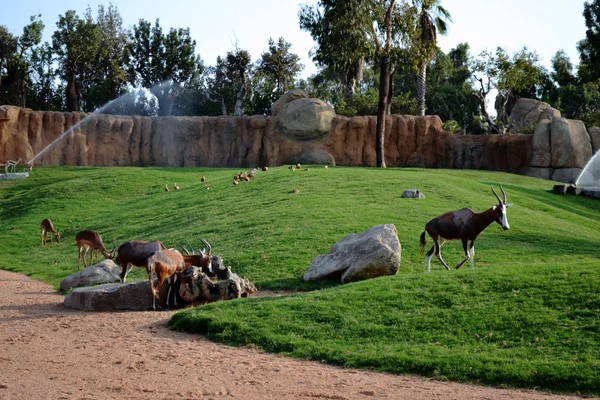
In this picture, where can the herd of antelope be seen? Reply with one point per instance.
(158, 261)
(464, 225)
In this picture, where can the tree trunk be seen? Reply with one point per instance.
(71, 93)
(388, 109)
(384, 87)
(421, 87)
(240, 99)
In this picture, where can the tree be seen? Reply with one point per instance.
(162, 63)
(75, 45)
(432, 19)
(342, 30)
(507, 75)
(45, 93)
(280, 65)
(229, 82)
(589, 48)
(451, 94)
(563, 69)
(109, 78)
(15, 61)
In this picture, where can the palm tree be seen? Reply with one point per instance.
(433, 18)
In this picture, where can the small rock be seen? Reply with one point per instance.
(560, 189)
(413, 194)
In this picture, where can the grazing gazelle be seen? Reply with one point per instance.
(48, 227)
(463, 224)
(90, 240)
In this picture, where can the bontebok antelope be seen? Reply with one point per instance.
(464, 224)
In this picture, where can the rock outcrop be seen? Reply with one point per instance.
(370, 254)
(528, 113)
(79, 139)
(105, 272)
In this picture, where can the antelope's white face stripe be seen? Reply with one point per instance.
(504, 218)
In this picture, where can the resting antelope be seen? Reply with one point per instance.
(164, 264)
(135, 253)
(202, 260)
(48, 227)
(90, 241)
(465, 225)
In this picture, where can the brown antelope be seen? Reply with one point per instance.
(90, 241)
(164, 264)
(465, 225)
(202, 260)
(48, 227)
(135, 253)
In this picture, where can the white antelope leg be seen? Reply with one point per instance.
(472, 256)
(438, 251)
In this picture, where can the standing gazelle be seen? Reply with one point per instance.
(90, 240)
(48, 227)
(464, 224)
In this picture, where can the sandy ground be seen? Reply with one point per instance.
(48, 351)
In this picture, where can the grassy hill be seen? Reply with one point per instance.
(527, 316)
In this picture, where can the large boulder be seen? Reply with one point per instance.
(105, 272)
(541, 155)
(594, 133)
(198, 288)
(566, 175)
(288, 96)
(370, 254)
(306, 119)
(571, 143)
(527, 113)
(312, 156)
(135, 296)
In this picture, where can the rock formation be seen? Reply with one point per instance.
(370, 254)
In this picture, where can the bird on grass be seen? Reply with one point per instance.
(166, 187)
(175, 186)
(203, 179)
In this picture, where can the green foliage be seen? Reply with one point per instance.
(452, 126)
(75, 44)
(16, 59)
(109, 78)
(162, 63)
(527, 316)
(589, 48)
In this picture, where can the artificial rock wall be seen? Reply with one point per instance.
(247, 141)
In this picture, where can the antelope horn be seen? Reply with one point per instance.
(184, 249)
(498, 197)
(207, 245)
(503, 194)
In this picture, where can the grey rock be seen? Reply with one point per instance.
(572, 189)
(541, 155)
(566, 175)
(306, 119)
(542, 173)
(370, 254)
(571, 143)
(594, 133)
(413, 194)
(105, 272)
(290, 95)
(559, 189)
(591, 192)
(528, 113)
(313, 156)
(135, 296)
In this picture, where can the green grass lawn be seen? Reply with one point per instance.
(527, 316)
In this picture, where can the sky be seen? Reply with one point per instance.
(545, 27)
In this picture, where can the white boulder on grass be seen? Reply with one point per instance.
(370, 254)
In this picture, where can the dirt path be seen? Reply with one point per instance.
(48, 351)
